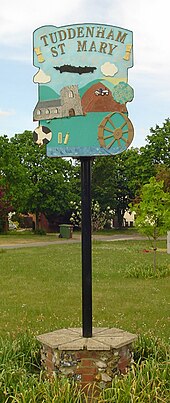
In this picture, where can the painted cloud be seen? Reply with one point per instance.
(41, 78)
(109, 69)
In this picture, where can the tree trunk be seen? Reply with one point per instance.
(120, 214)
(4, 225)
(37, 220)
(154, 255)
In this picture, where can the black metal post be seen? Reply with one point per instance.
(86, 247)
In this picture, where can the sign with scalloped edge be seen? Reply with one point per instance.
(83, 89)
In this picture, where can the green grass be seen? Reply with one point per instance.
(117, 231)
(23, 381)
(26, 236)
(41, 288)
(41, 291)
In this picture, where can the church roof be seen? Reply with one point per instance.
(49, 103)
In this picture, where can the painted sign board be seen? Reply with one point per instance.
(83, 89)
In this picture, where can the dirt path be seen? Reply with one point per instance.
(76, 239)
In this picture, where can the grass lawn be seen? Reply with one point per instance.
(27, 236)
(15, 237)
(41, 287)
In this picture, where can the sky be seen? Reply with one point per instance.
(149, 77)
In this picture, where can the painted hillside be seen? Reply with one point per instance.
(98, 98)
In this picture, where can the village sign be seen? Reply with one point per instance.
(83, 89)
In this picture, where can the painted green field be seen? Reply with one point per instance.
(41, 288)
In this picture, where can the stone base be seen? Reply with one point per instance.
(66, 353)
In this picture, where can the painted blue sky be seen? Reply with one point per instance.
(150, 76)
(101, 46)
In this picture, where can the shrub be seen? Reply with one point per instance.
(146, 271)
(99, 218)
(39, 231)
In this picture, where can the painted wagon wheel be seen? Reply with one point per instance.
(120, 128)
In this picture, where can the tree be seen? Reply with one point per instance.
(115, 181)
(5, 208)
(157, 149)
(152, 212)
(13, 175)
(99, 218)
(50, 179)
(163, 173)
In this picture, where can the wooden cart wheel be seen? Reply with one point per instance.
(120, 128)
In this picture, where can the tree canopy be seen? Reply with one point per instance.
(157, 149)
(13, 175)
(118, 180)
(115, 181)
(36, 183)
(152, 211)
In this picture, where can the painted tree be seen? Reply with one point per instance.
(152, 212)
(123, 93)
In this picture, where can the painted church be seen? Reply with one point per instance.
(69, 104)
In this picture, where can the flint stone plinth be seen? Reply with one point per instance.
(66, 353)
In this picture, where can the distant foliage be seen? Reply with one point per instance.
(5, 208)
(157, 149)
(152, 212)
(38, 184)
(99, 218)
